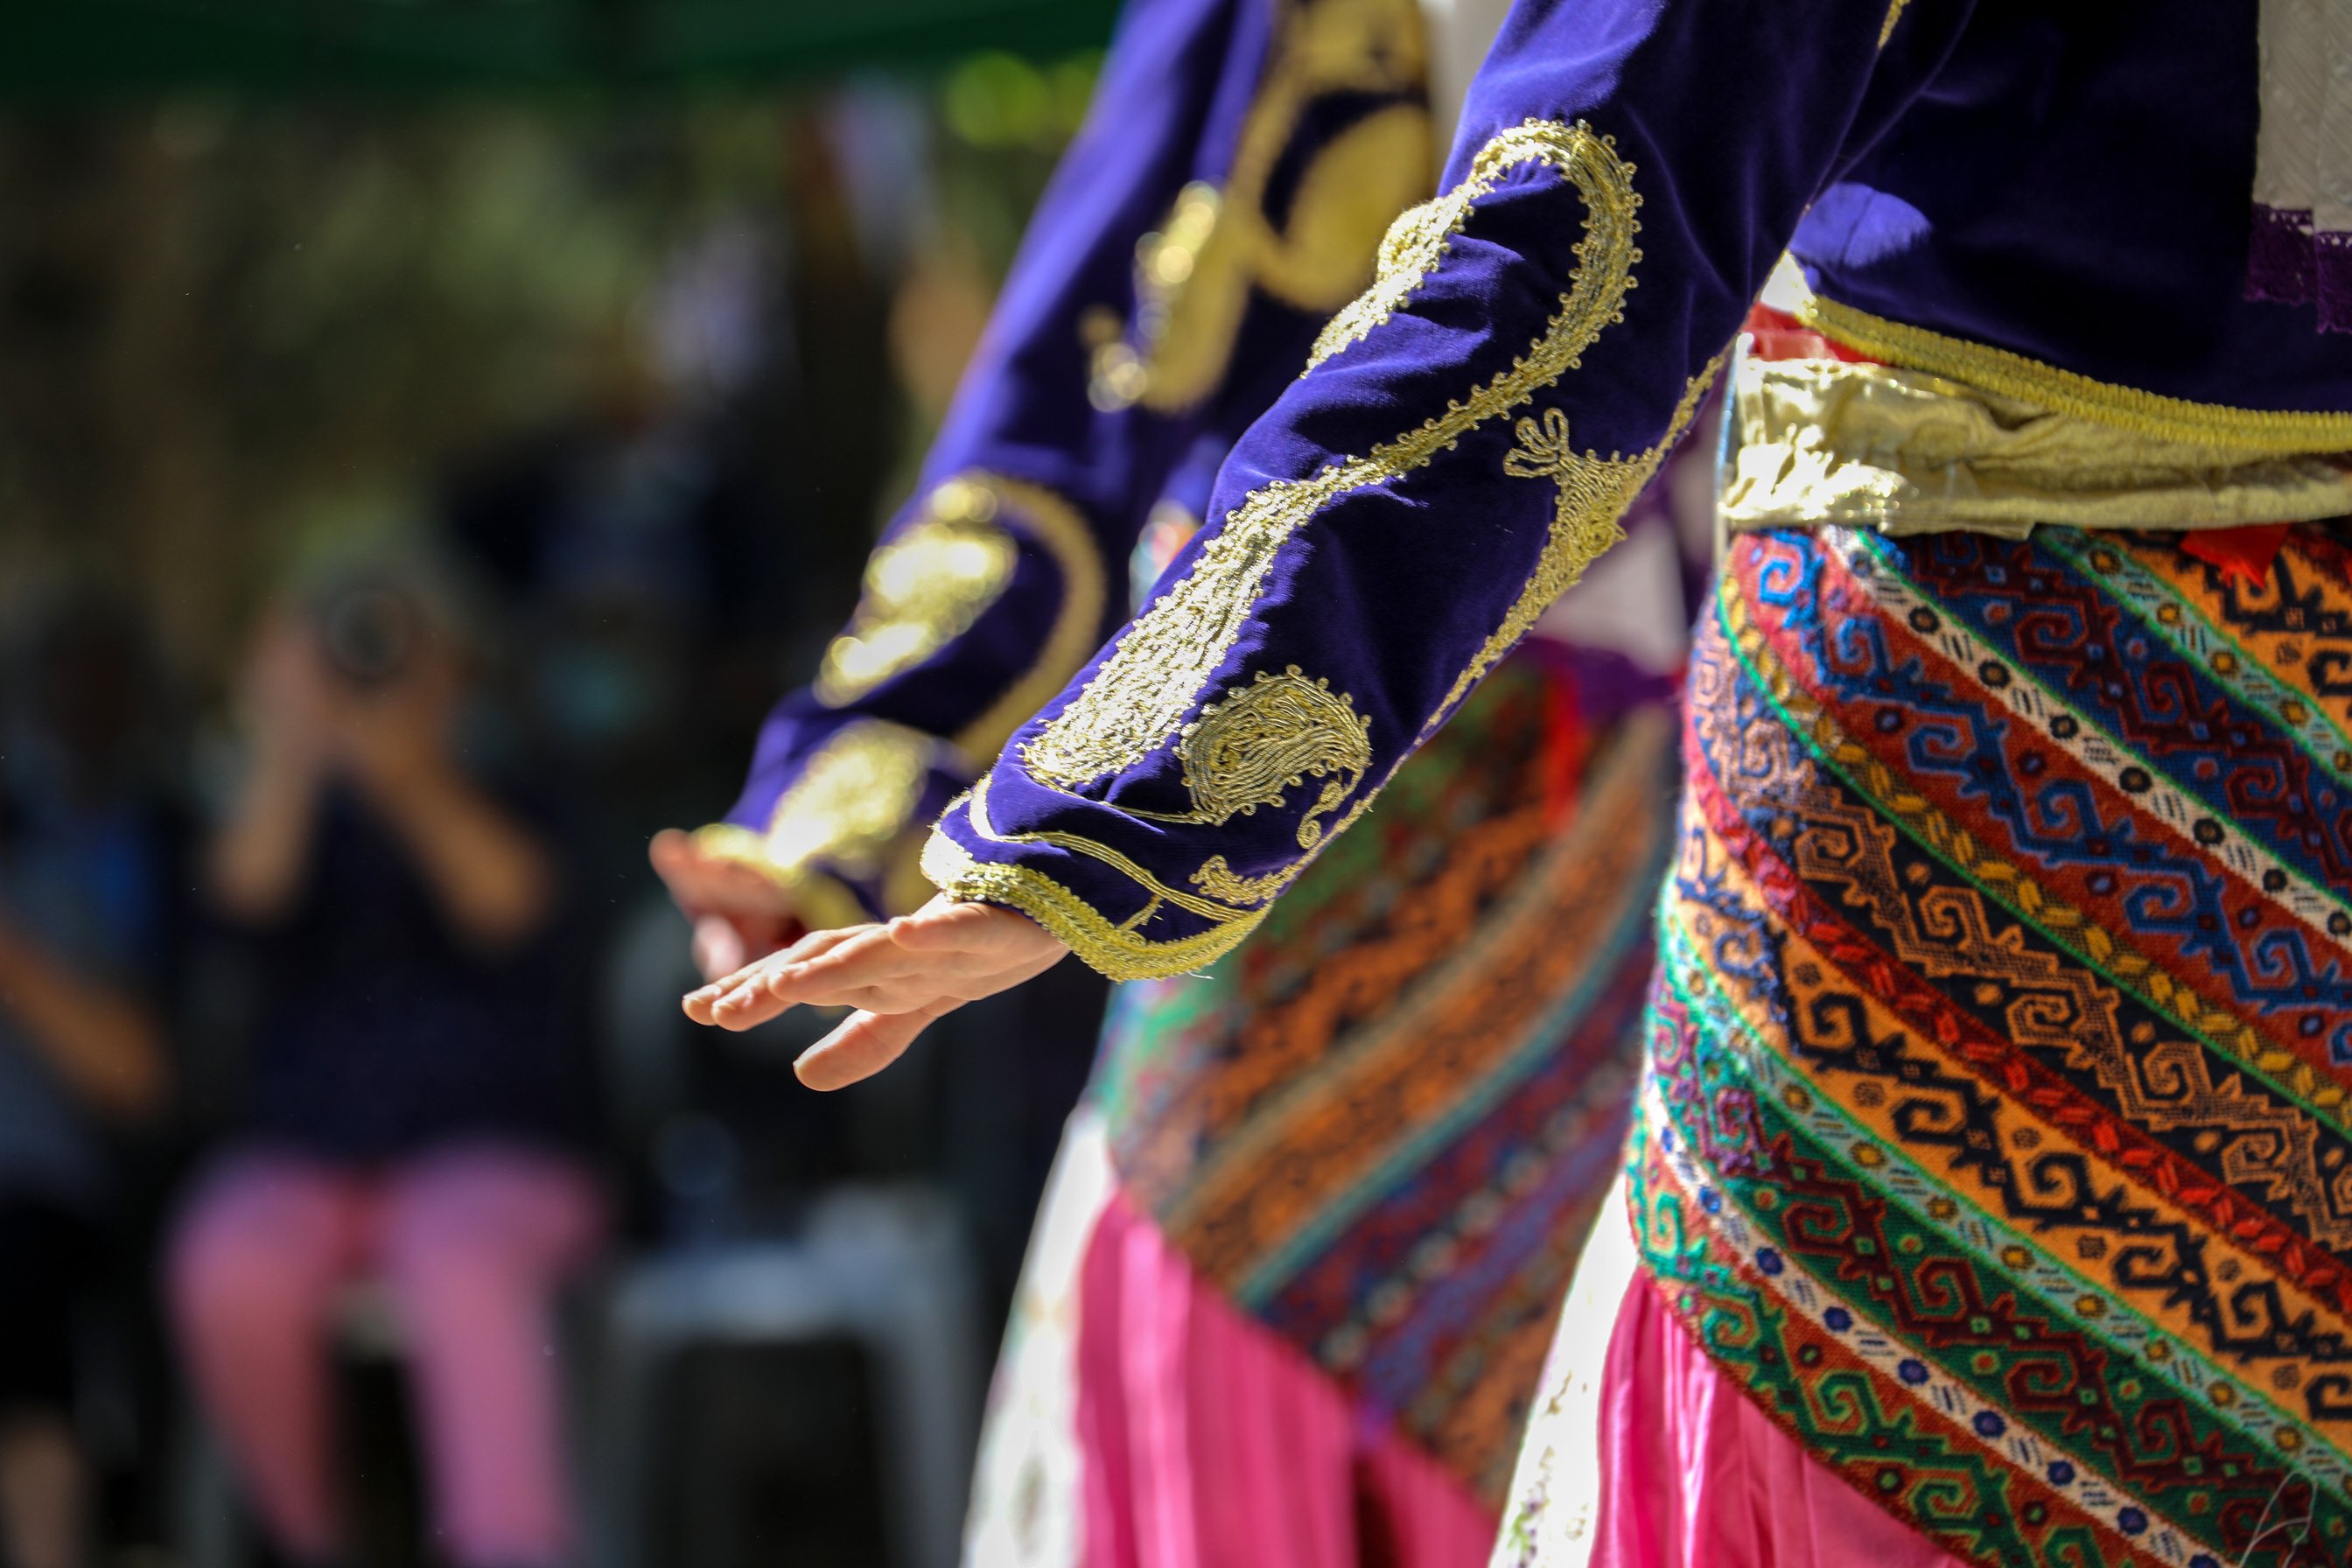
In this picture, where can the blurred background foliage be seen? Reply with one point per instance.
(235, 321)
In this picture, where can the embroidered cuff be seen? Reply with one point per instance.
(844, 841)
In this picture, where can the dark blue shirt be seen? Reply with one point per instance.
(384, 1030)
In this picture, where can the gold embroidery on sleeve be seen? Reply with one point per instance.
(1410, 252)
(1115, 952)
(1195, 274)
(1594, 492)
(1270, 737)
(923, 589)
(1220, 880)
(853, 798)
(975, 806)
(1138, 699)
(927, 586)
(857, 795)
(1119, 951)
(1077, 630)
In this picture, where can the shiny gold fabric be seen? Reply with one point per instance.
(1819, 442)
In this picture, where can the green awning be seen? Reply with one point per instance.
(77, 50)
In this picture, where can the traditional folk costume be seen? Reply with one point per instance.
(1990, 1191)
(1299, 1267)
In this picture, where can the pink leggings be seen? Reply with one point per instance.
(471, 1243)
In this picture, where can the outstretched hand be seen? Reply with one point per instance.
(900, 975)
(738, 914)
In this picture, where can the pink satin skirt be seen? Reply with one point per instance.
(1694, 1475)
(1208, 1442)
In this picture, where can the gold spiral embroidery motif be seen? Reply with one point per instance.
(924, 588)
(1410, 252)
(1222, 882)
(1138, 701)
(1268, 738)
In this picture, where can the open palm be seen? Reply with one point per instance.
(900, 975)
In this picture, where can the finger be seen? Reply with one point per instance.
(699, 879)
(744, 1009)
(718, 946)
(864, 1044)
(826, 971)
(671, 851)
(947, 949)
(747, 996)
(951, 977)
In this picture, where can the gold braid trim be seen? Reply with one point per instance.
(1893, 14)
(975, 804)
(1139, 701)
(1116, 951)
(1077, 624)
(2066, 391)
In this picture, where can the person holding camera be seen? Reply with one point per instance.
(410, 1119)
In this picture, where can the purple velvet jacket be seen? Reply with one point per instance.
(1226, 196)
(2048, 200)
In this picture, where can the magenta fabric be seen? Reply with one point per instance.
(471, 1243)
(1694, 1475)
(1210, 1442)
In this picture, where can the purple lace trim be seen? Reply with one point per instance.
(2291, 264)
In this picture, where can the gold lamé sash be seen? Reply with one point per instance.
(1949, 435)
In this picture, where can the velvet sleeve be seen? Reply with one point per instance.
(1463, 444)
(1238, 167)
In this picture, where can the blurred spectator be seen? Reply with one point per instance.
(413, 1111)
(86, 940)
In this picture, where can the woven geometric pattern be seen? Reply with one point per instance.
(1993, 1129)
